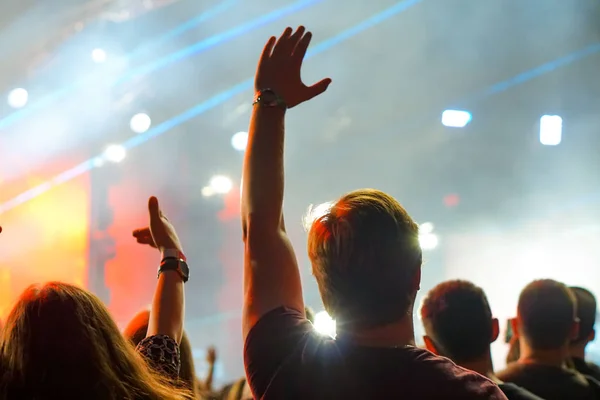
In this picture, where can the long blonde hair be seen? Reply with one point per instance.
(59, 341)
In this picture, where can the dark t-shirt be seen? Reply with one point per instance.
(514, 392)
(286, 359)
(586, 368)
(550, 383)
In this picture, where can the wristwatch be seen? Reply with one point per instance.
(268, 98)
(175, 264)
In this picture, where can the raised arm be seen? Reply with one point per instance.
(271, 276)
(167, 312)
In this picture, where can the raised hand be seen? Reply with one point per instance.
(279, 68)
(160, 234)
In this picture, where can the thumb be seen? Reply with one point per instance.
(318, 88)
(153, 208)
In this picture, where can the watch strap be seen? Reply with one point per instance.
(174, 264)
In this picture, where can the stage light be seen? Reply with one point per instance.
(220, 184)
(456, 118)
(550, 130)
(98, 56)
(239, 141)
(428, 241)
(207, 191)
(324, 324)
(425, 228)
(140, 123)
(115, 153)
(17, 98)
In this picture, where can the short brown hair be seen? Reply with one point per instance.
(365, 253)
(457, 317)
(546, 314)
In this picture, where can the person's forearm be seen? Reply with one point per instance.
(168, 306)
(263, 176)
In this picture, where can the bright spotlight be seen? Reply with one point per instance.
(98, 56)
(428, 241)
(239, 141)
(324, 324)
(550, 130)
(140, 123)
(115, 153)
(220, 184)
(456, 118)
(17, 98)
(425, 228)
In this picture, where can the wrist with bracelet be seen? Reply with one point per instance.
(268, 98)
(174, 260)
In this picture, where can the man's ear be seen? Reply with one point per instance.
(592, 336)
(495, 330)
(514, 323)
(574, 334)
(429, 345)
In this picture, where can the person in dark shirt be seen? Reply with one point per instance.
(546, 323)
(459, 325)
(586, 312)
(365, 256)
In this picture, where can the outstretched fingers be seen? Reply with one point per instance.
(268, 50)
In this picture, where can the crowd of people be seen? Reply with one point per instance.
(60, 342)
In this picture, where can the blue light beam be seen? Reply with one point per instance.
(201, 108)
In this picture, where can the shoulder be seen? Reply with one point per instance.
(162, 353)
(455, 380)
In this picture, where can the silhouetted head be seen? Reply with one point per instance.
(366, 258)
(458, 321)
(136, 331)
(546, 315)
(586, 313)
(59, 341)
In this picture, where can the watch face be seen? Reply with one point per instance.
(268, 98)
(185, 270)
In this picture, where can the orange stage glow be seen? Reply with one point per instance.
(45, 239)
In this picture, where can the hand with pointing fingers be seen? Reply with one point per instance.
(279, 68)
(160, 233)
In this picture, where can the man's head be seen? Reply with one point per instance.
(546, 315)
(366, 258)
(586, 313)
(458, 321)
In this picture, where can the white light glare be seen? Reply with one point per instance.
(239, 141)
(324, 324)
(17, 98)
(456, 118)
(315, 212)
(550, 130)
(98, 56)
(220, 184)
(115, 153)
(140, 123)
(426, 228)
(428, 241)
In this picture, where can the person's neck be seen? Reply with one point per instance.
(483, 366)
(578, 350)
(396, 334)
(554, 357)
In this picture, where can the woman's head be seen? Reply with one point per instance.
(60, 341)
